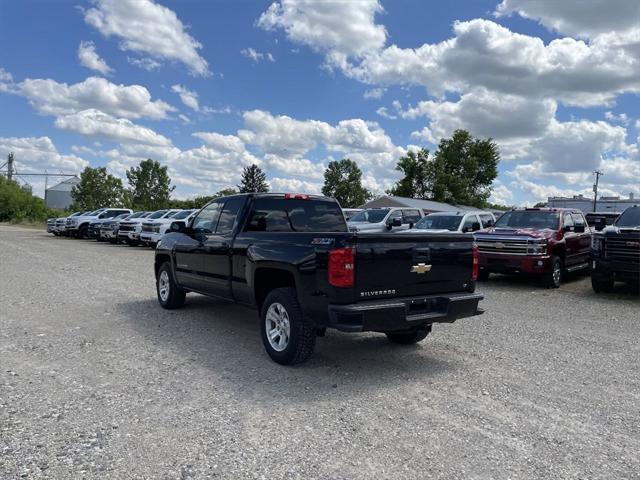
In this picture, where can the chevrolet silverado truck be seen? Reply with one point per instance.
(79, 226)
(153, 230)
(292, 257)
(548, 242)
(615, 253)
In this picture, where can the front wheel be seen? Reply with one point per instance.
(409, 338)
(287, 335)
(170, 294)
(553, 278)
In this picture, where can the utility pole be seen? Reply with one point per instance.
(597, 173)
(10, 161)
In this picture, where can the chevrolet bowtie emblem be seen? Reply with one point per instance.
(420, 268)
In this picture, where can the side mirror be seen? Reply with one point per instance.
(568, 228)
(579, 229)
(178, 227)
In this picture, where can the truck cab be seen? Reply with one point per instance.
(547, 242)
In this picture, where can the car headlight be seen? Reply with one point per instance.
(538, 247)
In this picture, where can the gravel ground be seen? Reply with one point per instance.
(97, 381)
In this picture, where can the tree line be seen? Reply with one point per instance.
(461, 171)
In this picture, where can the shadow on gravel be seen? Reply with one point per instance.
(225, 338)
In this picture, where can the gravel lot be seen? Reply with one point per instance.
(97, 381)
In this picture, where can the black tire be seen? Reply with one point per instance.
(483, 275)
(83, 233)
(175, 295)
(411, 337)
(302, 335)
(550, 279)
(601, 286)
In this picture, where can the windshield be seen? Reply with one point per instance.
(171, 214)
(137, 214)
(371, 216)
(629, 218)
(529, 219)
(96, 212)
(439, 222)
(157, 214)
(183, 214)
(122, 216)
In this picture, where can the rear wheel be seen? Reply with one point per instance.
(411, 337)
(170, 294)
(553, 278)
(287, 335)
(600, 286)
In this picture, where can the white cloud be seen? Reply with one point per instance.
(222, 143)
(339, 28)
(384, 112)
(188, 97)
(622, 118)
(146, 27)
(37, 154)
(373, 93)
(296, 167)
(94, 123)
(89, 58)
(132, 101)
(256, 56)
(585, 19)
(146, 63)
(485, 54)
(280, 184)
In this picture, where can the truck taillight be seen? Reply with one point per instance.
(476, 263)
(296, 196)
(341, 267)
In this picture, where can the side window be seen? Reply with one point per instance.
(228, 215)
(207, 219)
(395, 214)
(470, 224)
(410, 216)
(486, 221)
(578, 219)
(567, 220)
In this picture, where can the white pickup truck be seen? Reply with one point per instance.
(153, 230)
(129, 230)
(79, 226)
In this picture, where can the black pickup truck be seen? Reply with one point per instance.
(292, 258)
(615, 252)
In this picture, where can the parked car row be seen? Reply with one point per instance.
(118, 225)
(547, 242)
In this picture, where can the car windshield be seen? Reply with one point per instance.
(529, 219)
(95, 212)
(171, 214)
(439, 222)
(137, 215)
(122, 216)
(157, 214)
(371, 216)
(182, 214)
(629, 218)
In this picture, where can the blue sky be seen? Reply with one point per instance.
(210, 87)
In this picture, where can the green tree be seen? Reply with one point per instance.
(97, 189)
(150, 185)
(415, 182)
(253, 180)
(17, 204)
(343, 181)
(463, 169)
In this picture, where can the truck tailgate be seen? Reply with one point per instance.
(405, 265)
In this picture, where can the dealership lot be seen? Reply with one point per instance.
(98, 381)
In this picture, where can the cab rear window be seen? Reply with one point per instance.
(293, 215)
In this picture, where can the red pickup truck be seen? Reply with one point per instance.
(544, 241)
